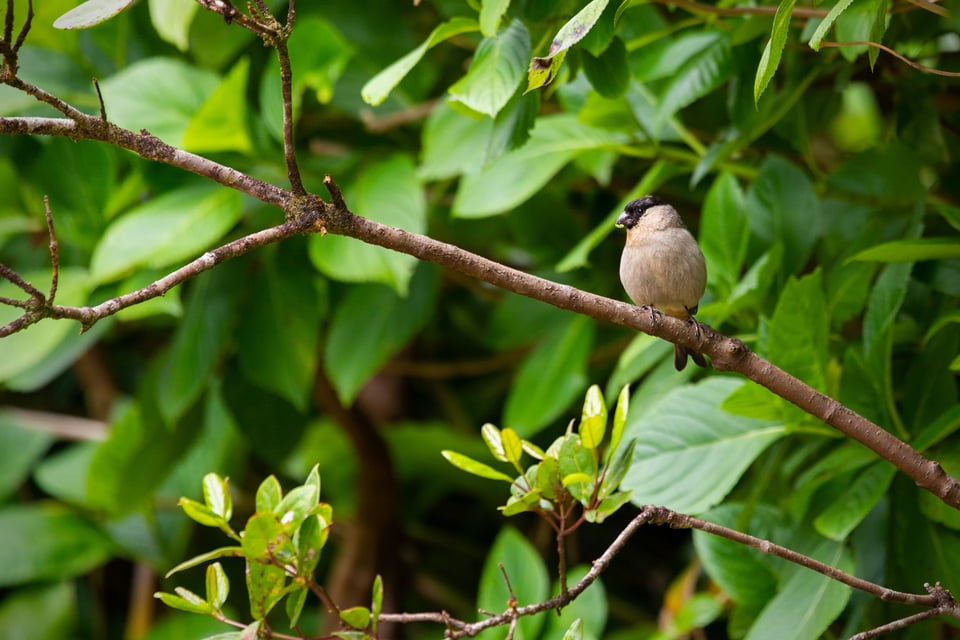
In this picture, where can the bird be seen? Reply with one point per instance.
(662, 266)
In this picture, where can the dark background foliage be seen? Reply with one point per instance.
(826, 202)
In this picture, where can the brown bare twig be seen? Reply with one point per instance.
(895, 54)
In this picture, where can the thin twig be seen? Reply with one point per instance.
(103, 107)
(896, 625)
(14, 278)
(898, 56)
(661, 515)
(286, 90)
(54, 252)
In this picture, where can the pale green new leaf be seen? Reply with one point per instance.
(619, 422)
(593, 422)
(491, 436)
(376, 90)
(512, 446)
(470, 465)
(218, 586)
(194, 604)
(202, 513)
(269, 494)
(222, 552)
(216, 494)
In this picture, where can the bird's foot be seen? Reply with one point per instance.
(655, 314)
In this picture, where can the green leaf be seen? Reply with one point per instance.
(915, 250)
(593, 422)
(746, 574)
(356, 617)
(200, 341)
(296, 505)
(269, 494)
(695, 78)
(617, 470)
(172, 20)
(265, 587)
(138, 454)
(379, 87)
(295, 604)
(376, 603)
(160, 95)
(550, 378)
(46, 542)
(689, 452)
(496, 71)
(388, 192)
(20, 448)
(578, 468)
(491, 12)
(216, 494)
(543, 70)
(528, 577)
(371, 324)
(90, 13)
(807, 602)
(575, 29)
(512, 446)
(575, 632)
(264, 537)
(185, 601)
(884, 304)
(218, 586)
(220, 124)
(201, 513)
(470, 465)
(607, 507)
(517, 175)
(588, 611)
(453, 143)
(827, 22)
(166, 230)
(222, 552)
(782, 207)
(724, 233)
(772, 52)
(609, 73)
(280, 349)
(848, 510)
(890, 175)
(798, 339)
(37, 612)
(494, 441)
(619, 422)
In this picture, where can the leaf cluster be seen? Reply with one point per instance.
(578, 468)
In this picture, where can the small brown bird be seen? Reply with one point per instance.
(662, 265)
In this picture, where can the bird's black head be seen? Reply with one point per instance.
(635, 210)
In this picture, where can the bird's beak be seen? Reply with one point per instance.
(621, 221)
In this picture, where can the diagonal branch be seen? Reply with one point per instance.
(727, 354)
